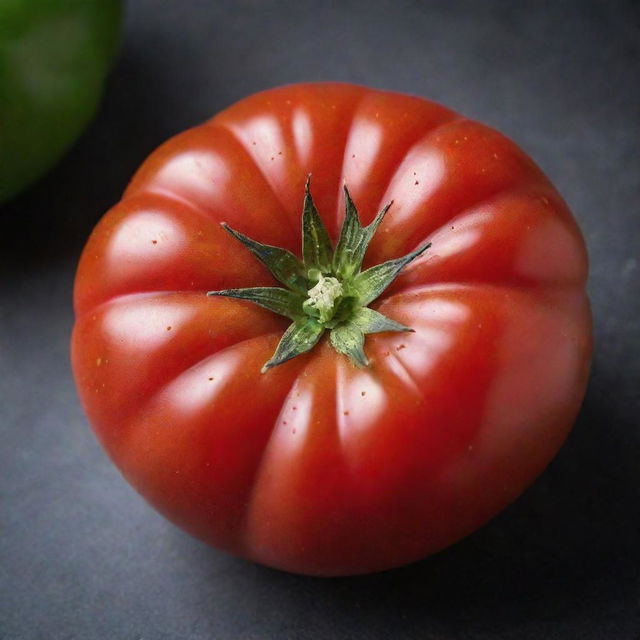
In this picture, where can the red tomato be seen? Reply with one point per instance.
(318, 466)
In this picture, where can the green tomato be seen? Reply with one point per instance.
(54, 56)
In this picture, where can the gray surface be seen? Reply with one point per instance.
(81, 556)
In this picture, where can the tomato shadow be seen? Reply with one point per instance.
(565, 551)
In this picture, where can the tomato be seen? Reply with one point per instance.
(54, 57)
(319, 465)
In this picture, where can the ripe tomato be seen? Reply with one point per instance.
(320, 466)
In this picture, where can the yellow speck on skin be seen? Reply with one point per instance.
(98, 362)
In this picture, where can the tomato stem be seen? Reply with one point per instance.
(327, 290)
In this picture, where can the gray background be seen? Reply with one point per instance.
(81, 555)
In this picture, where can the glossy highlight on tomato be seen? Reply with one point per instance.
(320, 466)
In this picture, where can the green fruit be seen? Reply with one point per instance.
(54, 56)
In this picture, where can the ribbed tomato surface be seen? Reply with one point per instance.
(318, 466)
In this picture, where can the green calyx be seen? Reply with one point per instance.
(327, 289)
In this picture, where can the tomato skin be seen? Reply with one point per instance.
(319, 467)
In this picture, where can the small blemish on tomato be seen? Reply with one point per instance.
(169, 328)
(345, 413)
(98, 362)
(353, 155)
(401, 347)
(293, 430)
(211, 379)
(253, 142)
(284, 422)
(363, 393)
(154, 242)
(416, 182)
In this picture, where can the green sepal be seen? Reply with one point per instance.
(300, 337)
(371, 283)
(370, 321)
(317, 251)
(344, 311)
(282, 264)
(282, 301)
(354, 239)
(325, 290)
(349, 339)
